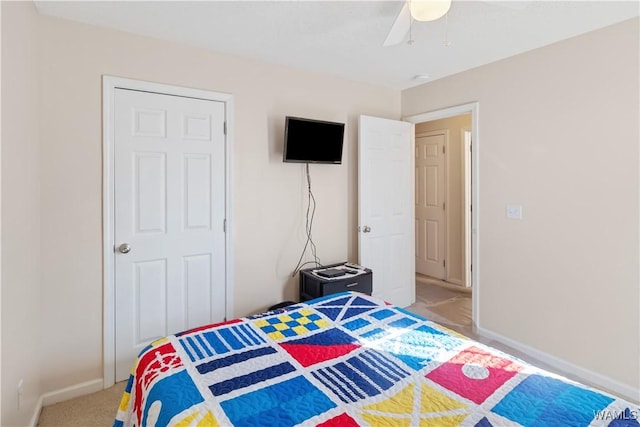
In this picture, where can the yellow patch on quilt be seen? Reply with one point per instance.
(260, 323)
(277, 335)
(285, 318)
(306, 311)
(299, 330)
(281, 326)
(208, 420)
(381, 420)
(185, 422)
(451, 421)
(124, 402)
(432, 400)
(390, 411)
(321, 323)
(399, 403)
(161, 341)
(303, 320)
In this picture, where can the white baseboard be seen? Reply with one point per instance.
(582, 374)
(66, 393)
(36, 413)
(71, 392)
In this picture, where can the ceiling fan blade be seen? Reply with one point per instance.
(400, 27)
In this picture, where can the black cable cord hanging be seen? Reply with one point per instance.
(311, 207)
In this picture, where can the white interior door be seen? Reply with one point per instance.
(386, 208)
(430, 205)
(169, 196)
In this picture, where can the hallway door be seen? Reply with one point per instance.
(430, 204)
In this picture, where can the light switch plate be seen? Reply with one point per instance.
(514, 211)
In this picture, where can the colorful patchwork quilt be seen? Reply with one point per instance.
(349, 360)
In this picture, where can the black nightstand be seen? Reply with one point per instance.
(313, 285)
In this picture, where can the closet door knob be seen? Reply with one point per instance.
(125, 248)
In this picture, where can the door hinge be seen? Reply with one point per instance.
(224, 225)
(444, 263)
(225, 128)
(443, 206)
(443, 149)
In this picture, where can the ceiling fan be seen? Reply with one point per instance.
(428, 10)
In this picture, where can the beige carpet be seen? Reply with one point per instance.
(97, 409)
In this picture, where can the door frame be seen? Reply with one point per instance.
(474, 109)
(109, 86)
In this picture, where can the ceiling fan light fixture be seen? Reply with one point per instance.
(428, 10)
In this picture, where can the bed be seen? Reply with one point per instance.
(346, 360)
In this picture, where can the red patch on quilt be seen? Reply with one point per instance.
(153, 362)
(308, 354)
(342, 420)
(475, 374)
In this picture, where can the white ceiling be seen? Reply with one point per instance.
(344, 38)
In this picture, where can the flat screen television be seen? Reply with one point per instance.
(312, 141)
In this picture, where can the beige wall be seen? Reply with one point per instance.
(269, 196)
(570, 267)
(559, 135)
(21, 320)
(455, 184)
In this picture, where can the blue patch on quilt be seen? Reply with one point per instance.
(383, 314)
(186, 395)
(361, 376)
(129, 385)
(541, 401)
(287, 403)
(375, 334)
(203, 345)
(356, 324)
(233, 359)
(336, 301)
(251, 378)
(420, 346)
(345, 307)
(402, 323)
(327, 338)
(484, 423)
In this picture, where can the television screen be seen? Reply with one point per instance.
(313, 141)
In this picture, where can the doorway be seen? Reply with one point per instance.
(450, 240)
(442, 200)
(166, 215)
